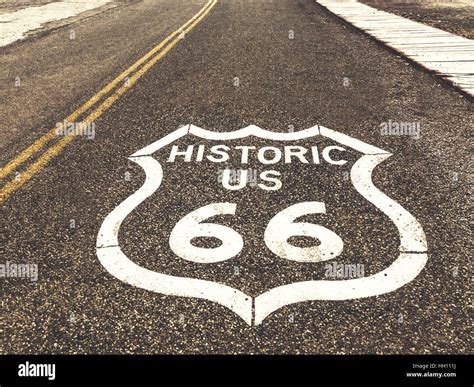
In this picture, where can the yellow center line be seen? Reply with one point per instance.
(55, 149)
(50, 135)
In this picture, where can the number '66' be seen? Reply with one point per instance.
(279, 229)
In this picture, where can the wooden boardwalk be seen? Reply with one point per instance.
(449, 56)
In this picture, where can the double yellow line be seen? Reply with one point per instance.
(108, 95)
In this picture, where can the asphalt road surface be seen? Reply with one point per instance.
(307, 256)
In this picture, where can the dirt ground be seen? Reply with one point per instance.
(453, 16)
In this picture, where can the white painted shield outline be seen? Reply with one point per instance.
(413, 247)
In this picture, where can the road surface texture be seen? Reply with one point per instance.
(284, 66)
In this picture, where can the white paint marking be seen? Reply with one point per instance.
(399, 273)
(253, 130)
(193, 226)
(404, 269)
(412, 237)
(108, 233)
(283, 226)
(344, 139)
(162, 142)
(117, 264)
